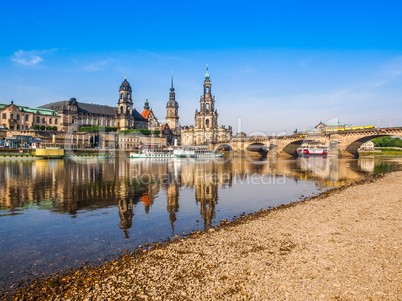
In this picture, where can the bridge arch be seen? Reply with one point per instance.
(224, 147)
(257, 147)
(355, 145)
(291, 148)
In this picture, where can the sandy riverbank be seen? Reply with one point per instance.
(343, 246)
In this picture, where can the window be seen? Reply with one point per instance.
(128, 95)
(18, 116)
(37, 119)
(55, 121)
(11, 116)
(207, 90)
(50, 120)
(43, 120)
(207, 106)
(18, 127)
(207, 122)
(121, 96)
(26, 117)
(4, 116)
(121, 110)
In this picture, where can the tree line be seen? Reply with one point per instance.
(387, 141)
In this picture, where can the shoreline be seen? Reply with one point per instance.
(188, 276)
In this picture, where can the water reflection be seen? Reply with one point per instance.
(68, 186)
(63, 212)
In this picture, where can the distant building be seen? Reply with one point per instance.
(369, 145)
(206, 129)
(76, 114)
(148, 114)
(323, 126)
(21, 118)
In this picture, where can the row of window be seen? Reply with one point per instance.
(127, 140)
(89, 121)
(17, 117)
(18, 127)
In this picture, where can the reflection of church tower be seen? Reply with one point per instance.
(172, 202)
(125, 106)
(206, 194)
(172, 109)
(126, 215)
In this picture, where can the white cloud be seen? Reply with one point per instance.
(30, 58)
(97, 66)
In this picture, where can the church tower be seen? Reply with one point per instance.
(206, 129)
(125, 106)
(207, 118)
(172, 108)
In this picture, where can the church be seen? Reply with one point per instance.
(74, 115)
(206, 129)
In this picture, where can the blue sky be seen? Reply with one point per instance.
(276, 65)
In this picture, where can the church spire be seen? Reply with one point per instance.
(146, 105)
(207, 74)
(172, 88)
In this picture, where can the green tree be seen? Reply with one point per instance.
(42, 127)
(54, 128)
(49, 128)
(387, 141)
(36, 127)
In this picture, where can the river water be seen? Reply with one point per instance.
(58, 214)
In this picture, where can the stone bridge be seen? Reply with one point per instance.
(343, 143)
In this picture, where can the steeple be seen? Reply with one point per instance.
(172, 96)
(207, 74)
(146, 105)
(172, 109)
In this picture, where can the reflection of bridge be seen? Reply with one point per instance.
(343, 143)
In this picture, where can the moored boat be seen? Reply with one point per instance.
(312, 151)
(180, 152)
(50, 153)
(153, 153)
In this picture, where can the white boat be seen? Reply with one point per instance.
(313, 150)
(202, 153)
(154, 153)
(175, 153)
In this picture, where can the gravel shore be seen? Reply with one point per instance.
(342, 245)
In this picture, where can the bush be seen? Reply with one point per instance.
(54, 128)
(140, 131)
(42, 127)
(36, 127)
(98, 128)
(49, 128)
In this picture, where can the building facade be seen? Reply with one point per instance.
(76, 114)
(148, 114)
(324, 126)
(22, 118)
(206, 129)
